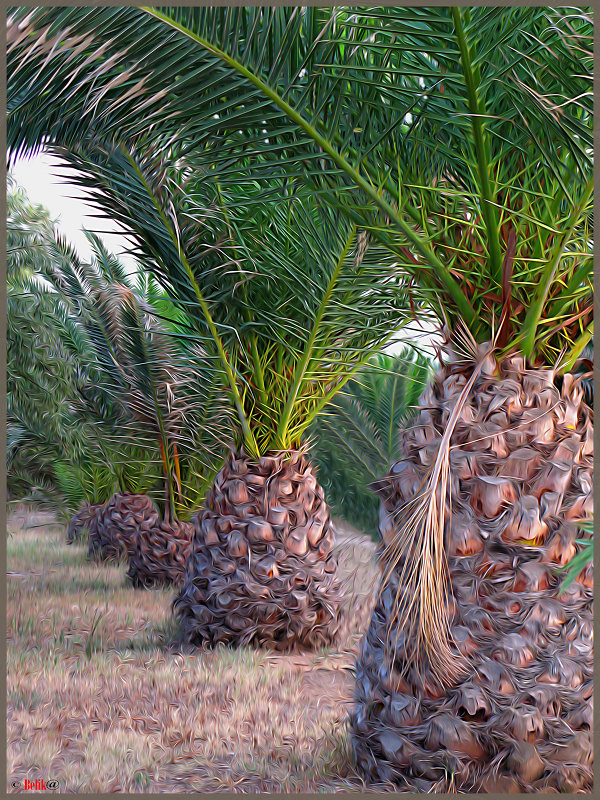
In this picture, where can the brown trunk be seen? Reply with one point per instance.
(520, 717)
(159, 555)
(80, 522)
(262, 569)
(114, 530)
(129, 525)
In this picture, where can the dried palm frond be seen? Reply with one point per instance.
(417, 553)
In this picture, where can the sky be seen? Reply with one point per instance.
(46, 183)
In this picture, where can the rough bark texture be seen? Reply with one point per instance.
(80, 522)
(159, 554)
(520, 718)
(114, 529)
(262, 568)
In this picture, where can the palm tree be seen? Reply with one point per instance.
(125, 394)
(141, 369)
(356, 438)
(54, 443)
(461, 140)
(278, 292)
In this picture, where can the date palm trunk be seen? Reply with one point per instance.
(80, 522)
(115, 528)
(262, 568)
(158, 555)
(519, 717)
(130, 527)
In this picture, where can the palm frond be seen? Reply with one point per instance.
(287, 298)
(355, 439)
(95, 377)
(440, 130)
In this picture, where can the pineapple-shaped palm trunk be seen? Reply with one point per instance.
(262, 568)
(518, 717)
(81, 521)
(116, 527)
(158, 554)
(130, 527)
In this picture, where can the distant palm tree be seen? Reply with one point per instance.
(125, 396)
(167, 397)
(358, 435)
(52, 449)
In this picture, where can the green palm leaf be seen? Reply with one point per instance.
(410, 120)
(286, 296)
(95, 378)
(583, 557)
(356, 438)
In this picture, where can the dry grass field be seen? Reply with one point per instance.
(103, 698)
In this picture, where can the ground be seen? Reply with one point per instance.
(103, 698)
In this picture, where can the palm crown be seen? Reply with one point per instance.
(161, 392)
(450, 134)
(287, 297)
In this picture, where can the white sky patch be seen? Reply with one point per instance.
(45, 179)
(424, 335)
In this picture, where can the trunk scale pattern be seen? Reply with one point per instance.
(114, 529)
(520, 717)
(80, 522)
(129, 525)
(158, 556)
(262, 569)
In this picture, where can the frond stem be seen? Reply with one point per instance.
(482, 149)
(535, 311)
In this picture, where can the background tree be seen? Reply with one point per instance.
(356, 438)
(54, 453)
(163, 396)
(125, 422)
